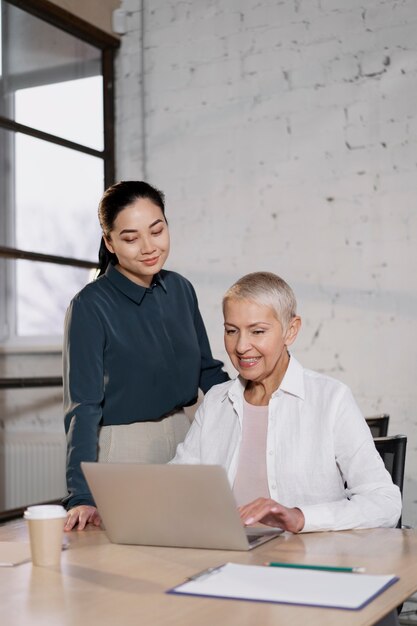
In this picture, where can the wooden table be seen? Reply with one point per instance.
(108, 584)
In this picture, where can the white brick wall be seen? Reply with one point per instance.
(129, 115)
(284, 134)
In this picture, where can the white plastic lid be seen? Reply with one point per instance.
(45, 511)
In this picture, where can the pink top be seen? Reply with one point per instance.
(251, 479)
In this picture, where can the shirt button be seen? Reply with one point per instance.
(271, 452)
(273, 487)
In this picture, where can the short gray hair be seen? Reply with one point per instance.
(267, 289)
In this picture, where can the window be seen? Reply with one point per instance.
(56, 157)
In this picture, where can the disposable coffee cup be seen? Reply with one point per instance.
(46, 527)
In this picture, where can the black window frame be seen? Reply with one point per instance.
(108, 45)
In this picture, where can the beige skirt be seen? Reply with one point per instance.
(143, 442)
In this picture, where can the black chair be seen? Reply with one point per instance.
(392, 450)
(378, 424)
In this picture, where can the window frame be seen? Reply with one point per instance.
(108, 45)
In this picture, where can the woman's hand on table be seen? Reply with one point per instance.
(272, 513)
(82, 515)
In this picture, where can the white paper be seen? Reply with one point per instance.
(290, 586)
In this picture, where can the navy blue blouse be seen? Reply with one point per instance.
(131, 354)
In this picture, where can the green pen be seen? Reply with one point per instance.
(323, 568)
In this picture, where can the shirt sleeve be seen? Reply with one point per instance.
(211, 371)
(372, 499)
(83, 394)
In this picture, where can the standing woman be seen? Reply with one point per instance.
(135, 349)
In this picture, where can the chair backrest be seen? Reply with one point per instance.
(378, 424)
(392, 450)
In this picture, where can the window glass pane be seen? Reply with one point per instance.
(43, 294)
(4, 326)
(6, 150)
(1, 42)
(38, 55)
(56, 198)
(80, 106)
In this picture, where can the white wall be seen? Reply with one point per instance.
(31, 429)
(284, 135)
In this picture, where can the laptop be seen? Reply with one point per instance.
(187, 506)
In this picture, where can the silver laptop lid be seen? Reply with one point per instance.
(167, 505)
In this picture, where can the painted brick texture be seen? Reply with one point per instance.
(284, 134)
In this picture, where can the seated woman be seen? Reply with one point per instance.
(296, 448)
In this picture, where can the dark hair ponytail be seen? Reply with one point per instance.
(115, 199)
(105, 257)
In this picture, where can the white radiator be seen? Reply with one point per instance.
(32, 468)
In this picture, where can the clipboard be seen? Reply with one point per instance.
(301, 587)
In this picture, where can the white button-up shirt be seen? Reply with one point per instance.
(317, 441)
